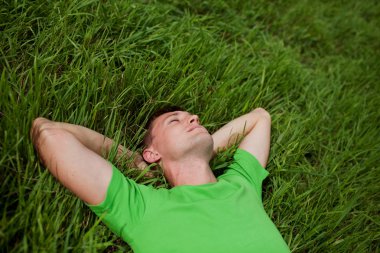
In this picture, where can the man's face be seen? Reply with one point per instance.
(178, 134)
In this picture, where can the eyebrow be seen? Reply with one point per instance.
(173, 114)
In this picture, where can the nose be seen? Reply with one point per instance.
(194, 119)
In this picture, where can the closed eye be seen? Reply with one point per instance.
(173, 120)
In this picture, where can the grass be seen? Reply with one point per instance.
(108, 64)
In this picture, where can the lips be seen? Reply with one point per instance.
(193, 127)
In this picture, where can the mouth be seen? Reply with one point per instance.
(193, 127)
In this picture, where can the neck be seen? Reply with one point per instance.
(188, 171)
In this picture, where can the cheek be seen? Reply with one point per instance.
(164, 141)
(172, 140)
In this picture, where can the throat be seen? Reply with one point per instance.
(190, 173)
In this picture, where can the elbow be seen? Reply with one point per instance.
(262, 114)
(40, 130)
(38, 123)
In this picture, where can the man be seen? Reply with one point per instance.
(200, 213)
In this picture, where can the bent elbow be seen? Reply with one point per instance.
(263, 114)
(41, 129)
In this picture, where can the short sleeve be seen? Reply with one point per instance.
(247, 166)
(124, 204)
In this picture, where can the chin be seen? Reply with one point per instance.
(202, 146)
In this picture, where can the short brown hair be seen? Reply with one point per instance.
(148, 135)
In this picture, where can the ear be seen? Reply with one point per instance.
(151, 156)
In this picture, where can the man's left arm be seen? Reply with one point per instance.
(254, 127)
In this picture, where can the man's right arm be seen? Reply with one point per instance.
(102, 145)
(73, 154)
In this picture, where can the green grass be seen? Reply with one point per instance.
(107, 65)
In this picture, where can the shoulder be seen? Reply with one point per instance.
(246, 165)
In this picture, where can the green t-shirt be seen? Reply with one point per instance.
(226, 216)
